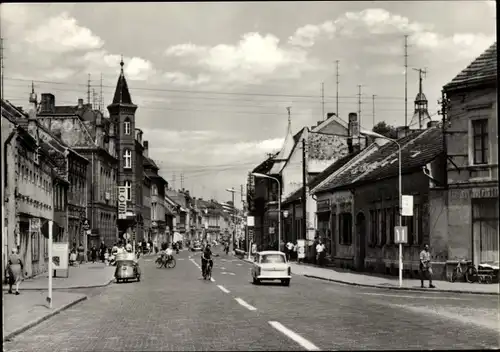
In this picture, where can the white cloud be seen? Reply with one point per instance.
(253, 58)
(59, 73)
(136, 68)
(183, 79)
(62, 34)
(306, 36)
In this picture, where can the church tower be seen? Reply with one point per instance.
(122, 114)
(421, 113)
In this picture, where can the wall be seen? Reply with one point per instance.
(464, 107)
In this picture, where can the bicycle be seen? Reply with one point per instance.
(469, 274)
(165, 263)
(207, 275)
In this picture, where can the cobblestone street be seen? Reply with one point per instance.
(173, 309)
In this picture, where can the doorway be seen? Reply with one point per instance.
(361, 238)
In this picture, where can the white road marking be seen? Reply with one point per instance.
(223, 288)
(408, 296)
(239, 264)
(212, 279)
(222, 268)
(245, 304)
(227, 273)
(295, 337)
(180, 258)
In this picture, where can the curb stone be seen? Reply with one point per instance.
(401, 288)
(35, 322)
(64, 288)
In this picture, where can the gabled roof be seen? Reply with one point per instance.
(481, 69)
(146, 161)
(286, 150)
(122, 94)
(418, 148)
(266, 165)
(321, 177)
(279, 166)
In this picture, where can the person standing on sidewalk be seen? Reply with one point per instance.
(320, 248)
(15, 270)
(102, 250)
(81, 251)
(93, 253)
(425, 267)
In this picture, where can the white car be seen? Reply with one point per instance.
(271, 265)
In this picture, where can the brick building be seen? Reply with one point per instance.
(130, 150)
(471, 130)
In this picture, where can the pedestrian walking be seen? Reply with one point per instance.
(425, 267)
(289, 249)
(320, 248)
(81, 251)
(102, 250)
(15, 270)
(93, 253)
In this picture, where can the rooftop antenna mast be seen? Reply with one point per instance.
(421, 73)
(1, 66)
(322, 100)
(337, 82)
(406, 84)
(101, 100)
(88, 90)
(373, 108)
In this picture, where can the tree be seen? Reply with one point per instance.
(385, 130)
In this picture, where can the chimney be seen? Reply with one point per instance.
(329, 115)
(146, 149)
(80, 103)
(48, 103)
(431, 124)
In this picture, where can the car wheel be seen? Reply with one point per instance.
(286, 282)
(138, 278)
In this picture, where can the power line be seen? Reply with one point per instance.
(188, 91)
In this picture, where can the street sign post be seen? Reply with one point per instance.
(400, 237)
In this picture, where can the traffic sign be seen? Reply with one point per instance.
(407, 205)
(250, 221)
(400, 234)
(250, 235)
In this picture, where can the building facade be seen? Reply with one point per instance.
(471, 131)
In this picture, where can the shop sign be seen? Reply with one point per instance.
(323, 205)
(478, 192)
(122, 203)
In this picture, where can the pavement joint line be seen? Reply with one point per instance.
(309, 346)
(40, 320)
(223, 289)
(245, 304)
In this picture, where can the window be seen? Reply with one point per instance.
(480, 141)
(126, 127)
(417, 220)
(153, 208)
(345, 228)
(408, 222)
(35, 246)
(154, 191)
(127, 156)
(392, 223)
(128, 187)
(373, 227)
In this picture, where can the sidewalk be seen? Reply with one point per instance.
(388, 282)
(86, 275)
(30, 308)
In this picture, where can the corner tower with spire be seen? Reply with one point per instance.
(129, 152)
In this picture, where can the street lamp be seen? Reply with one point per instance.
(256, 174)
(232, 191)
(377, 135)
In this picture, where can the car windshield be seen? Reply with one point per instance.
(272, 258)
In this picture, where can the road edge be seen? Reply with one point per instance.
(400, 288)
(392, 287)
(40, 320)
(64, 288)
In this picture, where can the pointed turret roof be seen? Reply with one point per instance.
(286, 150)
(122, 95)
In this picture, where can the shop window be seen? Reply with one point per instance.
(381, 227)
(480, 141)
(417, 224)
(373, 227)
(345, 228)
(485, 230)
(333, 227)
(392, 223)
(409, 223)
(35, 246)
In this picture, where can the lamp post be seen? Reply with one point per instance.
(232, 191)
(400, 189)
(256, 174)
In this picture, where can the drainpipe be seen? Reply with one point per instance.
(4, 185)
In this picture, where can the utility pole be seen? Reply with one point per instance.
(304, 190)
(93, 99)
(373, 108)
(337, 90)
(88, 90)
(322, 100)
(421, 72)
(173, 180)
(182, 180)
(359, 113)
(406, 84)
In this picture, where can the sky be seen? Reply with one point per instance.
(212, 80)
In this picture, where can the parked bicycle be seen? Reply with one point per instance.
(465, 271)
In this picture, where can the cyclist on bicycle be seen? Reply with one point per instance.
(206, 258)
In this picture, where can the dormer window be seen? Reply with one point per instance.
(126, 127)
(127, 157)
(154, 191)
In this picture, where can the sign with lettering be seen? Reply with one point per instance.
(478, 192)
(407, 205)
(400, 234)
(122, 203)
(60, 255)
(250, 235)
(34, 225)
(250, 221)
